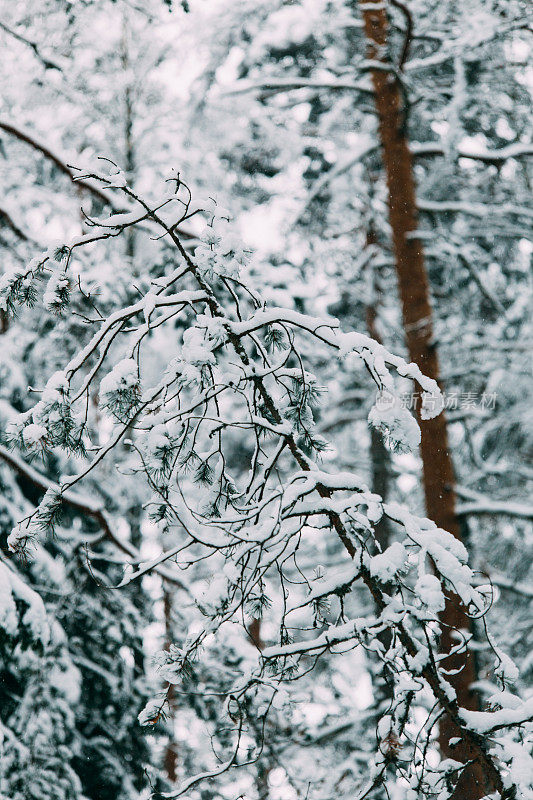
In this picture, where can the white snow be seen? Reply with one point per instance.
(33, 433)
(429, 591)
(486, 721)
(386, 565)
(34, 617)
(124, 375)
(397, 425)
(58, 282)
(8, 609)
(151, 712)
(196, 349)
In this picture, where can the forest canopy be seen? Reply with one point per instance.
(265, 400)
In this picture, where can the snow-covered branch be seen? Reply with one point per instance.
(224, 380)
(58, 160)
(476, 503)
(46, 61)
(473, 209)
(289, 84)
(86, 506)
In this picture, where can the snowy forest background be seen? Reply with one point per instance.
(241, 242)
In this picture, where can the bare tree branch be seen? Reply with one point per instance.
(61, 163)
(408, 32)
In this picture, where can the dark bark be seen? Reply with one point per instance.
(379, 455)
(129, 152)
(254, 632)
(380, 471)
(170, 758)
(263, 769)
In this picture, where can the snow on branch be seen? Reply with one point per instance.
(368, 146)
(84, 505)
(289, 84)
(478, 504)
(240, 371)
(475, 153)
(481, 210)
(488, 722)
(13, 588)
(59, 161)
(46, 61)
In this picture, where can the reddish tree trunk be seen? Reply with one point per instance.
(438, 475)
(263, 770)
(254, 632)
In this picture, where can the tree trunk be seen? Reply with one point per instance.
(380, 471)
(438, 476)
(379, 455)
(129, 151)
(263, 769)
(254, 632)
(170, 758)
